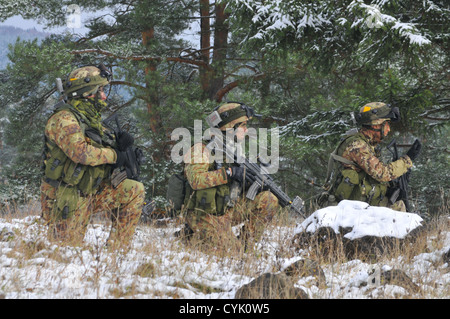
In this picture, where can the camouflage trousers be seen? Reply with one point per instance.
(124, 204)
(217, 232)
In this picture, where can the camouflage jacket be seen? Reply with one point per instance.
(64, 130)
(199, 169)
(361, 152)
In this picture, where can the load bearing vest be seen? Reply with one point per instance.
(59, 169)
(346, 183)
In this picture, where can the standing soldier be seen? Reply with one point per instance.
(80, 155)
(361, 175)
(211, 207)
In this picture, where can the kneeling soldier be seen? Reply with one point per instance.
(361, 174)
(211, 210)
(80, 156)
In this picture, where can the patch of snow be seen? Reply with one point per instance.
(364, 220)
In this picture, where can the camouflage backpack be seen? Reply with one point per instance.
(176, 192)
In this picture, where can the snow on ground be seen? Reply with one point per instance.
(160, 266)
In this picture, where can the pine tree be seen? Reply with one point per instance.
(304, 65)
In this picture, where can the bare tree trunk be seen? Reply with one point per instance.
(205, 46)
(220, 49)
(152, 95)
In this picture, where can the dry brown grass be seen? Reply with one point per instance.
(187, 264)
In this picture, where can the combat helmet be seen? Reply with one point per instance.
(86, 81)
(230, 114)
(376, 113)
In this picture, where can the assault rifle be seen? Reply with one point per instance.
(400, 188)
(131, 168)
(259, 178)
(134, 157)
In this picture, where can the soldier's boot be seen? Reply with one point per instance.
(123, 228)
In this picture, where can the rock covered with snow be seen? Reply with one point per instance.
(374, 228)
(364, 220)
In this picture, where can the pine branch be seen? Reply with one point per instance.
(142, 57)
(230, 86)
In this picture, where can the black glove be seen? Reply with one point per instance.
(414, 151)
(238, 173)
(124, 140)
(121, 159)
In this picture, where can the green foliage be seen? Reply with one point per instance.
(430, 178)
(304, 65)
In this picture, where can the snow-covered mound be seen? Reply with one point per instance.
(362, 219)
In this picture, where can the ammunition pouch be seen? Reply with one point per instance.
(93, 177)
(206, 200)
(375, 191)
(54, 166)
(66, 202)
(326, 199)
(73, 173)
(359, 186)
(86, 179)
(212, 200)
(349, 179)
(222, 198)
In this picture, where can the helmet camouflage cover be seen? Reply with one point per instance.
(233, 113)
(86, 81)
(376, 113)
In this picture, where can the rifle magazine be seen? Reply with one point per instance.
(118, 177)
(253, 190)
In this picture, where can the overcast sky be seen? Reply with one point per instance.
(19, 22)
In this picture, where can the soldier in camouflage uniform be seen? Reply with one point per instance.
(80, 155)
(362, 175)
(209, 213)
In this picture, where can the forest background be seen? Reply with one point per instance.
(304, 65)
